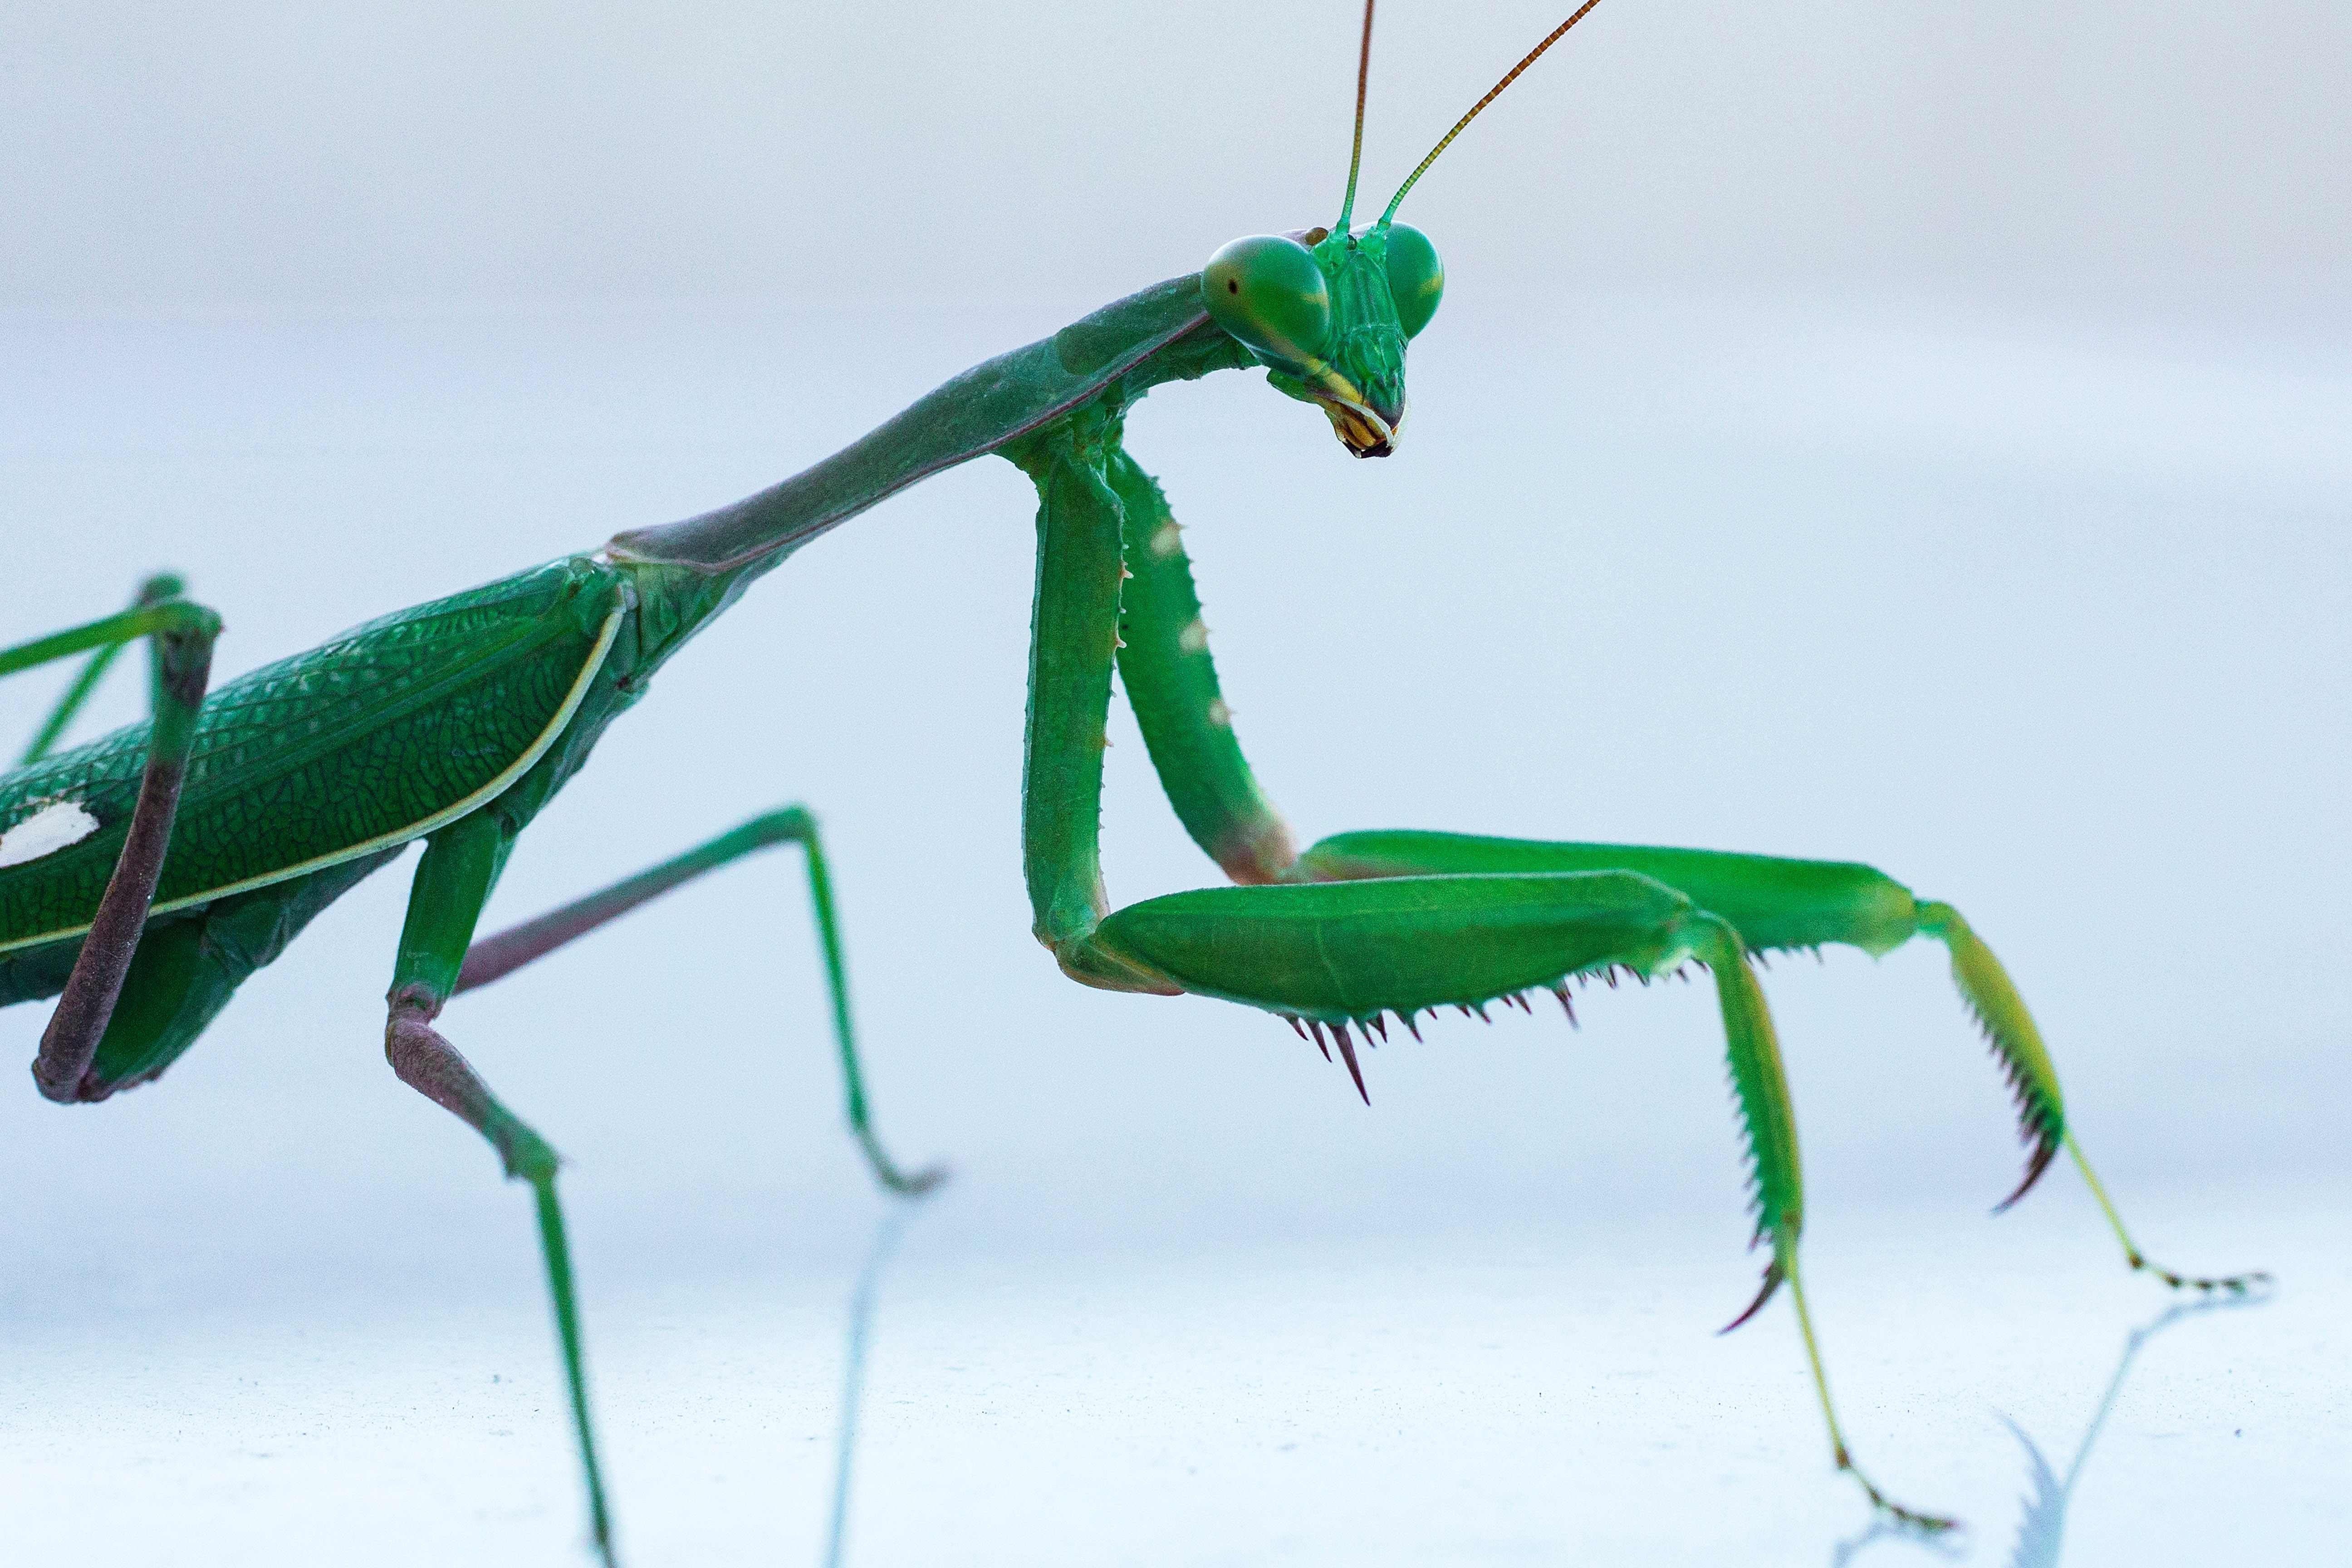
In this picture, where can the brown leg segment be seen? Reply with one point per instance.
(183, 635)
(454, 878)
(435, 1069)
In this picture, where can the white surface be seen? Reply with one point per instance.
(1535, 1393)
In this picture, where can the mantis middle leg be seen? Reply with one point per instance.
(439, 959)
(493, 958)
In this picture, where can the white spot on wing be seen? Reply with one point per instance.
(58, 824)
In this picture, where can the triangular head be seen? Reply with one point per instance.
(1330, 319)
(1329, 310)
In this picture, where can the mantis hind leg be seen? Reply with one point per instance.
(1782, 904)
(188, 966)
(182, 634)
(493, 958)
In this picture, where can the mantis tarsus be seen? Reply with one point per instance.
(146, 875)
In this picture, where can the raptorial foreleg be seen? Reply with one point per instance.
(1201, 941)
(1337, 956)
(1172, 682)
(1331, 957)
(1780, 903)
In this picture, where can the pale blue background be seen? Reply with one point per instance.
(1879, 432)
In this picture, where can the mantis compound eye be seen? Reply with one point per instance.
(1416, 276)
(1267, 290)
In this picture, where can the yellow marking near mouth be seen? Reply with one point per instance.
(1360, 430)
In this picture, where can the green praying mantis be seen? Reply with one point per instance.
(146, 875)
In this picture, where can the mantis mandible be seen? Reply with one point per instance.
(146, 875)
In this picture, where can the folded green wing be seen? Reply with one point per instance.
(376, 737)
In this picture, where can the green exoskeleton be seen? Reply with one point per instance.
(144, 875)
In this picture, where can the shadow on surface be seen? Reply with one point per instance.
(2041, 1528)
(862, 1301)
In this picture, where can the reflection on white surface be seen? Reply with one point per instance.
(1546, 1394)
(863, 1300)
(2041, 1536)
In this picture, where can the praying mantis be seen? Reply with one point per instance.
(144, 877)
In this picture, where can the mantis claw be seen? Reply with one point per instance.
(2045, 1150)
(1772, 1279)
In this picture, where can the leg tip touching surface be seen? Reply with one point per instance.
(922, 1184)
(1906, 1518)
(2254, 1286)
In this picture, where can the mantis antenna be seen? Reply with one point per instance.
(1356, 158)
(1493, 93)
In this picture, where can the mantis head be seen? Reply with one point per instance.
(1329, 315)
(1329, 310)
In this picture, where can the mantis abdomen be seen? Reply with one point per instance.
(326, 757)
